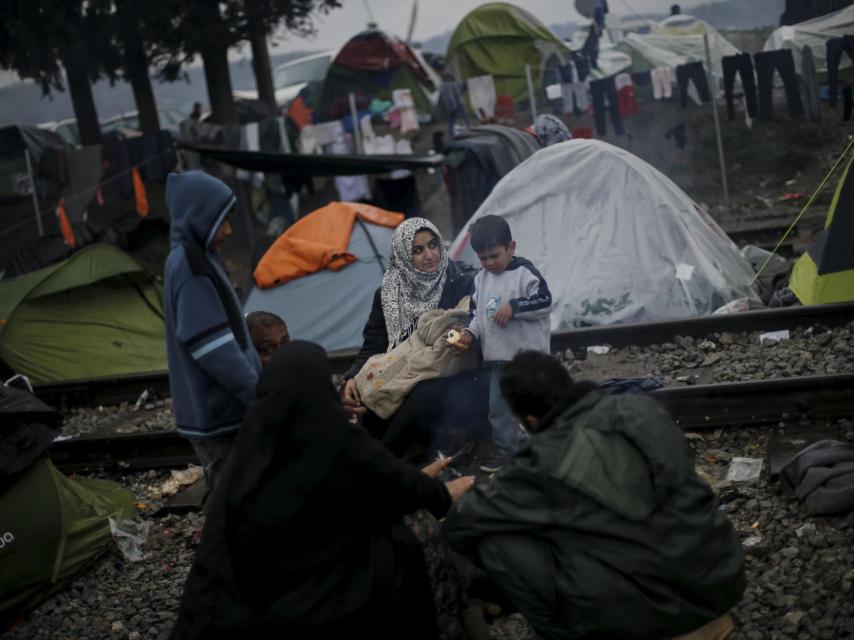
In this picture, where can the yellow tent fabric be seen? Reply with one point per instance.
(825, 273)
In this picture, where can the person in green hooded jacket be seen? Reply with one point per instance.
(599, 526)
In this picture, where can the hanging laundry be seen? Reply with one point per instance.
(404, 103)
(626, 95)
(602, 90)
(693, 73)
(139, 195)
(482, 97)
(326, 133)
(783, 62)
(402, 148)
(834, 49)
(809, 79)
(307, 141)
(743, 65)
(65, 225)
(350, 188)
(299, 112)
(662, 83)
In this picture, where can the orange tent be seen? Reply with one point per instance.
(318, 241)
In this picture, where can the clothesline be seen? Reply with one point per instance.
(88, 191)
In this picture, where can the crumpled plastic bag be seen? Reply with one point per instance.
(130, 536)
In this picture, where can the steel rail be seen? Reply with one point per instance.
(794, 400)
(105, 391)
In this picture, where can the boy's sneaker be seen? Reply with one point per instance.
(494, 463)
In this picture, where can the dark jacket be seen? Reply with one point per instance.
(304, 537)
(213, 367)
(459, 284)
(632, 543)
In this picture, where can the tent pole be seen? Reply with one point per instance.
(357, 134)
(35, 195)
(531, 96)
(714, 90)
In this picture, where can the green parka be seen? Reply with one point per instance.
(605, 517)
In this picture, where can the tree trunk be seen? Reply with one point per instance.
(75, 61)
(218, 77)
(261, 66)
(136, 72)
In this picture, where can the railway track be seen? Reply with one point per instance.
(106, 391)
(794, 401)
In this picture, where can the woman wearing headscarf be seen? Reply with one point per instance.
(306, 535)
(550, 130)
(420, 278)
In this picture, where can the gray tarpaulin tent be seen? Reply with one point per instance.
(331, 307)
(616, 240)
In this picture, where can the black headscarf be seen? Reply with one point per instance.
(304, 537)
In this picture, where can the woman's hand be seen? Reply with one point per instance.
(350, 398)
(459, 487)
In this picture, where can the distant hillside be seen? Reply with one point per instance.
(23, 103)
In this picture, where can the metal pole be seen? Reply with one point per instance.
(35, 195)
(714, 90)
(357, 134)
(531, 96)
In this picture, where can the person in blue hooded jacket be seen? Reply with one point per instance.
(213, 367)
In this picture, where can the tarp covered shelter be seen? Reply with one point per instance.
(95, 314)
(326, 306)
(296, 164)
(814, 34)
(825, 273)
(675, 41)
(616, 240)
(499, 39)
(54, 526)
(14, 140)
(372, 65)
(476, 161)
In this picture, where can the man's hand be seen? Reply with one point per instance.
(350, 398)
(502, 317)
(459, 487)
(435, 468)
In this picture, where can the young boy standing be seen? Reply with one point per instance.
(510, 313)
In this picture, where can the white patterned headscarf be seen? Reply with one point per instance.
(406, 291)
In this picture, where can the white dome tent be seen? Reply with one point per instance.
(616, 240)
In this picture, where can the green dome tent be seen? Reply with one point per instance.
(499, 39)
(96, 314)
(53, 526)
(372, 65)
(825, 273)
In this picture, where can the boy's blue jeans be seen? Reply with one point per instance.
(505, 430)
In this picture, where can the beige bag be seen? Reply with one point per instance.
(386, 379)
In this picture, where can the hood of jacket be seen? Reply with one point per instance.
(613, 457)
(198, 203)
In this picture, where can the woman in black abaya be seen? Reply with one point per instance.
(306, 536)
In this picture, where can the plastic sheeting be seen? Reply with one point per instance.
(616, 240)
(675, 42)
(814, 34)
(331, 307)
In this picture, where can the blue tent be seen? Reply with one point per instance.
(331, 307)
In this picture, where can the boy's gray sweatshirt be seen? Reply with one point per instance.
(522, 285)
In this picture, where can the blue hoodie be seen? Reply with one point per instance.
(213, 367)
